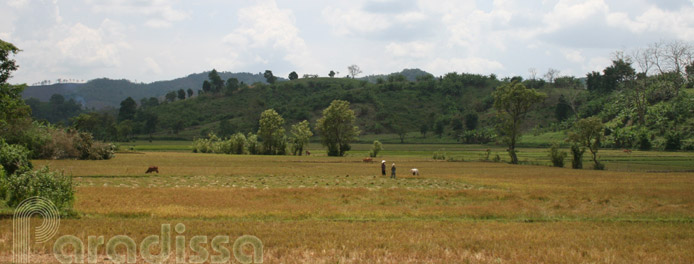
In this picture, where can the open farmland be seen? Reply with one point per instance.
(321, 209)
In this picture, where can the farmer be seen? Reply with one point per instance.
(392, 171)
(383, 167)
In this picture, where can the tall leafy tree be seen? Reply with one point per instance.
(127, 110)
(337, 128)
(216, 82)
(181, 94)
(300, 134)
(331, 74)
(13, 110)
(271, 132)
(171, 96)
(354, 70)
(512, 102)
(190, 92)
(269, 77)
(206, 86)
(293, 76)
(232, 85)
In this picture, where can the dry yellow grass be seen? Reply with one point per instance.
(340, 210)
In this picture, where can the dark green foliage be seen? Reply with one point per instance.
(556, 156)
(127, 110)
(181, 94)
(644, 140)
(471, 120)
(190, 92)
(56, 110)
(577, 156)
(423, 129)
(562, 110)
(206, 86)
(293, 76)
(216, 82)
(331, 74)
(225, 128)
(673, 141)
(171, 96)
(269, 77)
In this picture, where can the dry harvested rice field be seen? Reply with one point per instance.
(341, 210)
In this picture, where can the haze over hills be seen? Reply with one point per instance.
(103, 93)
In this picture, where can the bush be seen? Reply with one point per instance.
(439, 155)
(252, 144)
(14, 158)
(599, 166)
(53, 186)
(375, 149)
(557, 156)
(577, 153)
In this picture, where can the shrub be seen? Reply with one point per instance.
(557, 156)
(439, 155)
(53, 186)
(14, 158)
(577, 153)
(375, 149)
(599, 166)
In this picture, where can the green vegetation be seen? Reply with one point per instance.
(336, 128)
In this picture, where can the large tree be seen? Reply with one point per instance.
(337, 128)
(13, 110)
(127, 110)
(300, 134)
(512, 102)
(269, 77)
(216, 82)
(271, 132)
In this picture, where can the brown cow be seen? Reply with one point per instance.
(368, 160)
(308, 153)
(628, 151)
(152, 169)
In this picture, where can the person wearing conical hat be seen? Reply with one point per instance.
(392, 171)
(383, 167)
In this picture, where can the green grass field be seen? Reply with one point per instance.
(320, 209)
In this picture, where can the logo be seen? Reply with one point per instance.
(22, 234)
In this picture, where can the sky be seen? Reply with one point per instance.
(146, 41)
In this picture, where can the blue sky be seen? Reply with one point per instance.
(160, 40)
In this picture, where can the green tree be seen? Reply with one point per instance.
(588, 133)
(151, 121)
(206, 86)
(439, 126)
(271, 132)
(14, 113)
(375, 149)
(216, 82)
(178, 126)
(300, 134)
(471, 120)
(181, 94)
(232, 85)
(354, 70)
(293, 76)
(337, 128)
(424, 128)
(512, 102)
(127, 110)
(269, 77)
(331, 74)
(562, 110)
(171, 96)
(125, 130)
(190, 92)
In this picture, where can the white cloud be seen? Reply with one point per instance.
(159, 13)
(573, 55)
(416, 49)
(152, 66)
(267, 34)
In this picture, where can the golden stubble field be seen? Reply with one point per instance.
(340, 210)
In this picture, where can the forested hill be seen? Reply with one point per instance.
(103, 93)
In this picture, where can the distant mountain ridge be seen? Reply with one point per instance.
(106, 93)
